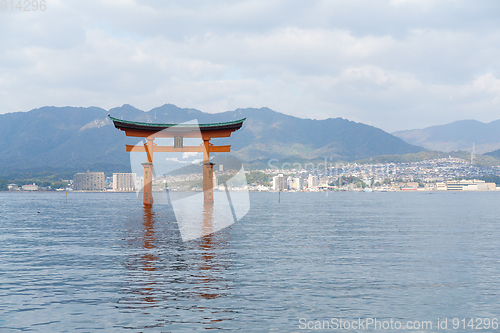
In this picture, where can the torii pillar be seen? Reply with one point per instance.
(208, 175)
(178, 132)
(147, 195)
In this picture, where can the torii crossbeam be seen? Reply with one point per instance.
(150, 131)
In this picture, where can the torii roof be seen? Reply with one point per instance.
(134, 128)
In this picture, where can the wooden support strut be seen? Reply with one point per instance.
(185, 149)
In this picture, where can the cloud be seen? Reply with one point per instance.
(393, 64)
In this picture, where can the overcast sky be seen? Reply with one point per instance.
(396, 65)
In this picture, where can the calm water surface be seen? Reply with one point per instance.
(100, 262)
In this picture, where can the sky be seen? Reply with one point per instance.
(395, 64)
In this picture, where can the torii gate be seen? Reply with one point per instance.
(150, 131)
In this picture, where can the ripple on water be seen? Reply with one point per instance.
(100, 262)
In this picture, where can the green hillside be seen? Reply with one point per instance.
(80, 139)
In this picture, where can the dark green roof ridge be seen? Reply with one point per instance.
(172, 125)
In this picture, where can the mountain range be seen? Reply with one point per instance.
(459, 135)
(495, 154)
(84, 138)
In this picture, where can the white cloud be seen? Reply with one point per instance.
(393, 64)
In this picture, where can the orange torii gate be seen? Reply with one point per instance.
(150, 131)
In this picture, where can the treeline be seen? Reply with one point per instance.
(252, 178)
(259, 178)
(42, 179)
(3, 184)
(491, 179)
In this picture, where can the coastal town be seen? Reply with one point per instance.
(446, 174)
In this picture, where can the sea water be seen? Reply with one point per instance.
(296, 262)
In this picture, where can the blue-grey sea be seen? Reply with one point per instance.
(90, 262)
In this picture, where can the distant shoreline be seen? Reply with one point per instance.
(288, 192)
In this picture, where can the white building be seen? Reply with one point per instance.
(33, 187)
(312, 181)
(298, 183)
(124, 182)
(89, 181)
(13, 187)
(279, 183)
(470, 185)
(441, 186)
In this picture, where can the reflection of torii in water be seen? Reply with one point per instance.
(151, 131)
(152, 283)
